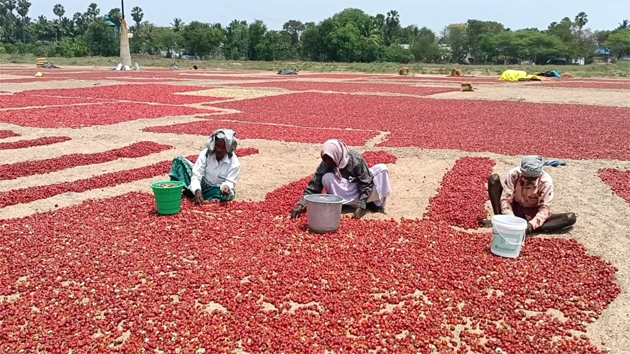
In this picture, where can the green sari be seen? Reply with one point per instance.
(182, 172)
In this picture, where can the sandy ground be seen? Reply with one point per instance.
(530, 93)
(602, 217)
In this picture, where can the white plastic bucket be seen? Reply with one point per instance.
(323, 212)
(508, 235)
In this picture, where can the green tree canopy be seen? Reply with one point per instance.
(350, 35)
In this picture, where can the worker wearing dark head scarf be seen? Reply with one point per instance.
(344, 172)
(528, 193)
(215, 173)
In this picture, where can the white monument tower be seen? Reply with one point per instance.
(125, 52)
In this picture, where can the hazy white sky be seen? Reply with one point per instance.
(435, 14)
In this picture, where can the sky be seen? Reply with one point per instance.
(434, 14)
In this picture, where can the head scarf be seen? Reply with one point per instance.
(532, 166)
(338, 152)
(228, 135)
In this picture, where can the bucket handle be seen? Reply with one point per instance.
(508, 242)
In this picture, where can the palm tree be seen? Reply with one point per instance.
(115, 15)
(7, 18)
(80, 22)
(177, 24)
(59, 11)
(392, 24)
(137, 15)
(42, 29)
(92, 12)
(370, 30)
(580, 21)
(23, 7)
(394, 16)
(625, 24)
(67, 26)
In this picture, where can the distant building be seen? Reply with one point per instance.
(580, 61)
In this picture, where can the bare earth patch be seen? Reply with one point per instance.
(529, 93)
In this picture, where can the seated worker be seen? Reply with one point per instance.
(215, 174)
(528, 193)
(345, 173)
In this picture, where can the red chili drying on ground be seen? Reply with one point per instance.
(7, 134)
(239, 152)
(22, 144)
(27, 195)
(36, 167)
(229, 78)
(440, 79)
(146, 80)
(328, 76)
(353, 87)
(269, 132)
(461, 199)
(93, 77)
(449, 124)
(91, 115)
(246, 152)
(618, 180)
(117, 76)
(19, 100)
(34, 79)
(240, 275)
(283, 199)
(375, 157)
(164, 94)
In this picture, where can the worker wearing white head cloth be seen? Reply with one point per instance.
(527, 192)
(215, 173)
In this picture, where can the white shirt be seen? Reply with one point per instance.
(215, 173)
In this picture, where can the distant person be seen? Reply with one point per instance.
(215, 174)
(345, 173)
(287, 72)
(527, 192)
(49, 65)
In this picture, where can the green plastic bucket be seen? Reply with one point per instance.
(168, 199)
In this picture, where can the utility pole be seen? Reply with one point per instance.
(122, 8)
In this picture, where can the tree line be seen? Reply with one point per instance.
(348, 36)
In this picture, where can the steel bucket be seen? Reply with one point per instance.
(323, 212)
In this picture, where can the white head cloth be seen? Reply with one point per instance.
(227, 135)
